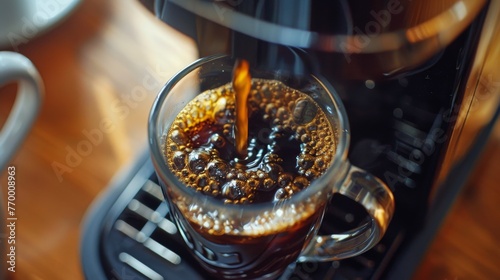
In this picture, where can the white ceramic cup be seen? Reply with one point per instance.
(15, 67)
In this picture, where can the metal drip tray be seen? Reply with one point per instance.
(128, 234)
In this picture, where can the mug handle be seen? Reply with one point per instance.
(378, 201)
(16, 67)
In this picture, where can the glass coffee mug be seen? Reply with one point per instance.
(15, 67)
(232, 239)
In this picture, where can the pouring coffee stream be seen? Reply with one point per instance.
(242, 82)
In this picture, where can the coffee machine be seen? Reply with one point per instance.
(421, 91)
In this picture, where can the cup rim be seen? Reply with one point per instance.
(340, 159)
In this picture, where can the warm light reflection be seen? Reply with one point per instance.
(446, 24)
(481, 96)
(460, 10)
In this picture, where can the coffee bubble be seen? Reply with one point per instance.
(319, 162)
(179, 160)
(304, 111)
(217, 169)
(268, 184)
(285, 179)
(280, 194)
(178, 137)
(300, 182)
(234, 189)
(198, 160)
(217, 140)
(305, 161)
(202, 181)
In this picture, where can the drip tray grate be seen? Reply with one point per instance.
(129, 234)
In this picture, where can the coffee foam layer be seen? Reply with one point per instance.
(199, 165)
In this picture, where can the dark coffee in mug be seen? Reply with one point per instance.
(290, 144)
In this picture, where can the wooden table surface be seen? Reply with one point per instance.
(102, 68)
